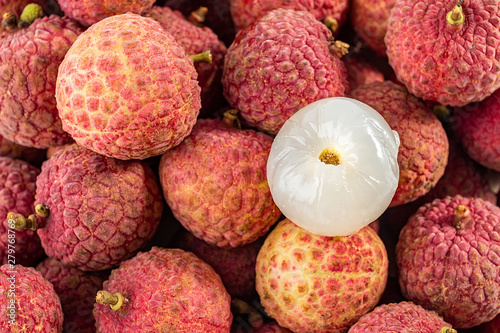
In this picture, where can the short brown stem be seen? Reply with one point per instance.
(461, 215)
(331, 23)
(447, 330)
(230, 117)
(456, 16)
(115, 301)
(198, 16)
(9, 20)
(339, 49)
(42, 210)
(19, 222)
(330, 156)
(205, 56)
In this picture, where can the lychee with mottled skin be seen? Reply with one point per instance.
(448, 258)
(245, 12)
(93, 211)
(195, 39)
(423, 151)
(170, 290)
(31, 155)
(127, 89)
(369, 20)
(28, 302)
(401, 317)
(477, 127)
(29, 62)
(215, 183)
(312, 283)
(446, 51)
(89, 12)
(76, 290)
(17, 192)
(278, 65)
(361, 71)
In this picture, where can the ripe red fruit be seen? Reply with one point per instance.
(163, 290)
(360, 71)
(28, 302)
(280, 64)
(446, 51)
(448, 256)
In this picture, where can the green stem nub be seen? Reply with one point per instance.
(456, 16)
(330, 156)
(331, 23)
(9, 20)
(198, 16)
(205, 56)
(42, 210)
(115, 301)
(30, 13)
(230, 117)
(19, 222)
(447, 330)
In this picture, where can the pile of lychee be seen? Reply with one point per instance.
(239, 166)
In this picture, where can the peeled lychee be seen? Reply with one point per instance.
(280, 64)
(89, 12)
(94, 211)
(215, 183)
(423, 152)
(127, 89)
(76, 290)
(29, 62)
(28, 302)
(405, 317)
(17, 193)
(245, 12)
(320, 284)
(163, 290)
(448, 256)
(477, 127)
(446, 51)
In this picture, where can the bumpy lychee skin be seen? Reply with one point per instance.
(245, 12)
(369, 20)
(440, 59)
(34, 156)
(448, 259)
(279, 64)
(195, 39)
(127, 89)
(102, 210)
(311, 283)
(423, 151)
(89, 12)
(29, 61)
(28, 302)
(215, 183)
(477, 127)
(360, 71)
(400, 317)
(17, 192)
(169, 290)
(76, 290)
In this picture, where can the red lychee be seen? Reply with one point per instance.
(31, 155)
(360, 71)
(127, 89)
(446, 51)
(311, 283)
(163, 290)
(448, 257)
(280, 64)
(215, 183)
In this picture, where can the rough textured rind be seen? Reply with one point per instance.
(37, 305)
(423, 151)
(127, 89)
(440, 62)
(17, 194)
(454, 272)
(477, 127)
(31, 155)
(279, 64)
(245, 12)
(369, 20)
(76, 290)
(360, 71)
(215, 183)
(29, 61)
(195, 39)
(88, 12)
(102, 210)
(319, 284)
(170, 290)
(405, 317)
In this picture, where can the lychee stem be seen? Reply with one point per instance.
(230, 117)
(20, 222)
(339, 49)
(115, 300)
(42, 210)
(447, 330)
(255, 318)
(9, 20)
(330, 156)
(331, 23)
(205, 56)
(456, 16)
(30, 13)
(461, 215)
(197, 17)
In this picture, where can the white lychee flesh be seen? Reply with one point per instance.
(340, 194)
